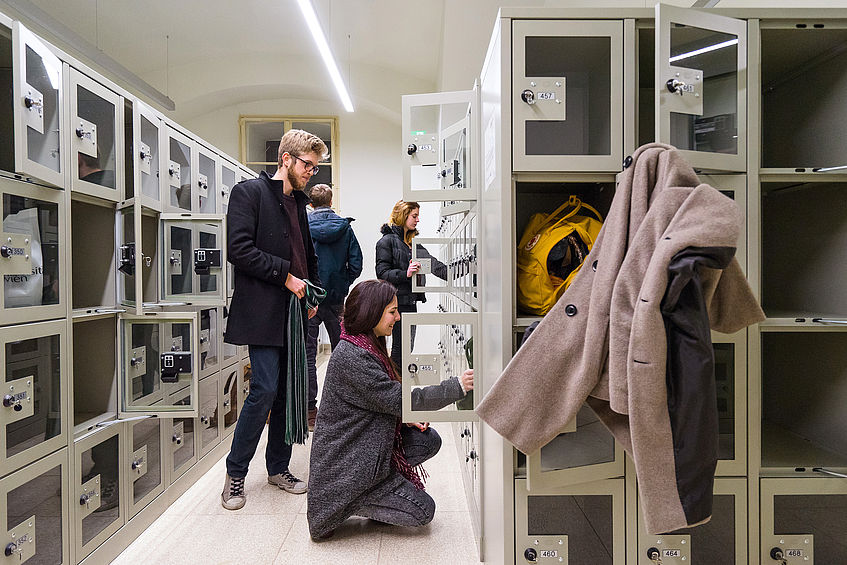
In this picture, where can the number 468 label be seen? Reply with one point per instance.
(794, 553)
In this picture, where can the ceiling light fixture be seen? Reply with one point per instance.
(323, 47)
(696, 52)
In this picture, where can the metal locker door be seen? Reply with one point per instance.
(96, 501)
(129, 260)
(39, 108)
(147, 155)
(567, 95)
(723, 539)
(436, 352)
(193, 259)
(731, 388)
(145, 463)
(34, 411)
(97, 148)
(209, 434)
(210, 259)
(33, 262)
(177, 173)
(209, 341)
(230, 384)
(34, 507)
(206, 193)
(701, 87)
(440, 155)
(228, 179)
(182, 440)
(158, 355)
(803, 521)
(577, 524)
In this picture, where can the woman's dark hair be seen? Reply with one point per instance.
(364, 307)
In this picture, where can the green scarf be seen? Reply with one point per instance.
(297, 379)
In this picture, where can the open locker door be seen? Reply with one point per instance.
(438, 141)
(701, 87)
(437, 347)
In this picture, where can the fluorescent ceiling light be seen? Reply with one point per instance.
(323, 47)
(714, 47)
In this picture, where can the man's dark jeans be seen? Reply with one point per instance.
(330, 315)
(267, 393)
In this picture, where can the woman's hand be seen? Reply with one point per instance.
(413, 268)
(422, 426)
(467, 380)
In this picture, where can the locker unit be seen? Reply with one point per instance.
(34, 243)
(34, 503)
(578, 524)
(721, 540)
(207, 183)
(93, 380)
(94, 269)
(34, 415)
(231, 382)
(209, 341)
(97, 503)
(146, 472)
(229, 352)
(245, 374)
(193, 259)
(180, 440)
(802, 520)
(208, 423)
(177, 172)
(145, 156)
(95, 120)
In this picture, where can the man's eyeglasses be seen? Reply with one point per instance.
(310, 167)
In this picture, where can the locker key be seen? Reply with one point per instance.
(654, 555)
(12, 401)
(777, 555)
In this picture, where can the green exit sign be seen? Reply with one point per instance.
(418, 133)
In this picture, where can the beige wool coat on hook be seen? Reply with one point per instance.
(605, 341)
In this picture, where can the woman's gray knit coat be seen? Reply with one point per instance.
(354, 433)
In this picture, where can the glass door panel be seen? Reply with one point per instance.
(147, 156)
(178, 175)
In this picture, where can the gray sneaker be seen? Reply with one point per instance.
(288, 482)
(233, 496)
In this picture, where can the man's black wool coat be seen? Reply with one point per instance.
(259, 246)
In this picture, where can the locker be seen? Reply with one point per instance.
(566, 95)
(34, 503)
(178, 176)
(209, 341)
(98, 472)
(245, 374)
(144, 462)
(94, 368)
(193, 259)
(147, 154)
(209, 424)
(95, 256)
(231, 381)
(34, 272)
(96, 126)
(34, 413)
(721, 540)
(229, 178)
(229, 352)
(576, 525)
(803, 521)
(207, 183)
(181, 442)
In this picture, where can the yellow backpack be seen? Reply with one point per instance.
(556, 242)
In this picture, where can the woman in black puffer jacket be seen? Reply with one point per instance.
(394, 264)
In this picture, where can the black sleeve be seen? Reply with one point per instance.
(242, 219)
(439, 269)
(385, 267)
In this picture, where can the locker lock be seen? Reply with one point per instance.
(676, 86)
(471, 456)
(10, 549)
(530, 555)
(143, 154)
(413, 368)
(528, 96)
(84, 498)
(79, 132)
(173, 363)
(778, 555)
(13, 401)
(30, 102)
(412, 149)
(137, 463)
(654, 555)
(127, 261)
(177, 439)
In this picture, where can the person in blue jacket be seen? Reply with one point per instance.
(339, 264)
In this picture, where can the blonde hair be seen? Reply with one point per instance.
(298, 142)
(400, 213)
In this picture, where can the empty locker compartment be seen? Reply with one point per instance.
(94, 250)
(804, 386)
(801, 258)
(567, 103)
(209, 341)
(544, 198)
(33, 235)
(804, 82)
(178, 176)
(137, 261)
(146, 468)
(34, 394)
(34, 503)
(180, 439)
(209, 434)
(723, 539)
(578, 525)
(230, 383)
(94, 370)
(207, 182)
(96, 501)
(31, 90)
(803, 521)
(95, 139)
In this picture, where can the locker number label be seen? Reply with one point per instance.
(794, 553)
(671, 553)
(548, 553)
(546, 95)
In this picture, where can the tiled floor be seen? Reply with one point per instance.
(271, 529)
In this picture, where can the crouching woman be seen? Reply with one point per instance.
(364, 461)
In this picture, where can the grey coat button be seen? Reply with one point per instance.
(570, 310)
(276, 273)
